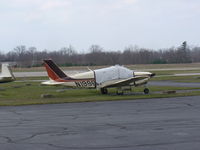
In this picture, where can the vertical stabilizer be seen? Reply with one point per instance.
(6, 73)
(53, 71)
(6, 70)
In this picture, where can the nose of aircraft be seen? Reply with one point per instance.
(144, 74)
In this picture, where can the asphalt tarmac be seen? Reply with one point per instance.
(150, 124)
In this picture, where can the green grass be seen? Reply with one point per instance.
(28, 92)
(20, 93)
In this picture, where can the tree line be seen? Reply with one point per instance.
(67, 56)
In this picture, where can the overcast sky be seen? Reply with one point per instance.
(112, 24)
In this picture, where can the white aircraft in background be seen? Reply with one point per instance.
(114, 76)
(6, 73)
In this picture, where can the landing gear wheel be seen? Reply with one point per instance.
(104, 91)
(146, 91)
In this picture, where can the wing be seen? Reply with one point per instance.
(126, 82)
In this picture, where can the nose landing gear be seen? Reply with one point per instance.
(104, 91)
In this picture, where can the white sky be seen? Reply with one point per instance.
(112, 24)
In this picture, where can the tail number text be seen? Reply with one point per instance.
(85, 84)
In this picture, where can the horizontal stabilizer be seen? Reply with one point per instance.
(51, 82)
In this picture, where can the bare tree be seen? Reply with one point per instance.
(98, 56)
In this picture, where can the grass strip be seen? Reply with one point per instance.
(30, 93)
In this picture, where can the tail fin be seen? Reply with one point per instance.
(53, 71)
(6, 71)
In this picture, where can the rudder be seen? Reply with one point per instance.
(53, 71)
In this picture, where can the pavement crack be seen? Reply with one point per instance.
(116, 125)
(87, 147)
(165, 143)
(8, 139)
(42, 133)
(188, 104)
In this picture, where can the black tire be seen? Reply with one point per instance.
(146, 91)
(104, 91)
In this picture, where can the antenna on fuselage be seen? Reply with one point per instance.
(89, 68)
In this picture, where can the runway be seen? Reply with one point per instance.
(164, 124)
(172, 83)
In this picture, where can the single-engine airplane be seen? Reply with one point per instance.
(6, 73)
(114, 76)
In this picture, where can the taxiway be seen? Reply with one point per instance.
(149, 124)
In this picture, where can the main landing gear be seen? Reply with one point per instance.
(104, 91)
(146, 91)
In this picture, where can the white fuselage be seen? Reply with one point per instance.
(92, 82)
(82, 83)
